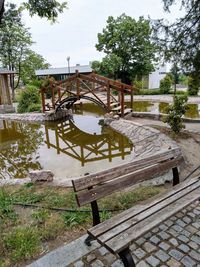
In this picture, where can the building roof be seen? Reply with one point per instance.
(5, 71)
(65, 70)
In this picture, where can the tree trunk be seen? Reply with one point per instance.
(1, 9)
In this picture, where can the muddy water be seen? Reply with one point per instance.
(69, 148)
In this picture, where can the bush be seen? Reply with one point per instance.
(175, 113)
(29, 100)
(149, 92)
(193, 86)
(165, 84)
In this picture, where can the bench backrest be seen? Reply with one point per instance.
(96, 186)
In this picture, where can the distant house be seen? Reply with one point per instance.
(152, 81)
(156, 76)
(63, 73)
(5, 91)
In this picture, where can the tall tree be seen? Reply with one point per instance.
(15, 39)
(181, 39)
(128, 42)
(31, 62)
(42, 8)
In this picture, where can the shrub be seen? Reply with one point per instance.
(175, 113)
(29, 100)
(165, 85)
(193, 86)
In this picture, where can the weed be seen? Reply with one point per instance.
(6, 208)
(40, 216)
(58, 200)
(53, 227)
(22, 243)
(75, 218)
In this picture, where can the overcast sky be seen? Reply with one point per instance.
(75, 34)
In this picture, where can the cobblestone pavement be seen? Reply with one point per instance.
(174, 243)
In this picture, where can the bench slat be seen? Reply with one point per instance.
(127, 214)
(123, 240)
(104, 176)
(126, 180)
(143, 215)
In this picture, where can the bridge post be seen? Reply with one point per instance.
(77, 84)
(108, 95)
(122, 101)
(132, 98)
(43, 99)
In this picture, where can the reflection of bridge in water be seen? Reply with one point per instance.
(85, 147)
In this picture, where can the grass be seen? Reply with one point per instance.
(24, 231)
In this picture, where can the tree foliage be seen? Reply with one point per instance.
(42, 8)
(128, 47)
(181, 40)
(165, 84)
(15, 43)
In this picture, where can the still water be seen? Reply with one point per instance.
(160, 107)
(69, 148)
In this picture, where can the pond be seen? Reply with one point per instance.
(68, 148)
(160, 107)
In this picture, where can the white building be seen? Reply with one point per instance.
(156, 76)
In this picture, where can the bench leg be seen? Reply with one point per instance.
(176, 179)
(88, 240)
(127, 258)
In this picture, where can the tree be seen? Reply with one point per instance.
(181, 39)
(15, 42)
(31, 62)
(42, 8)
(128, 42)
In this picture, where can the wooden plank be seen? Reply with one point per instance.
(124, 181)
(100, 177)
(135, 219)
(127, 214)
(123, 240)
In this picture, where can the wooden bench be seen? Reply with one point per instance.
(117, 233)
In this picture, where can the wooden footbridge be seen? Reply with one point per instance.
(107, 93)
(83, 146)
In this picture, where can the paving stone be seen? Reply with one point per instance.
(91, 257)
(110, 258)
(149, 247)
(103, 251)
(181, 223)
(169, 223)
(187, 219)
(191, 229)
(139, 253)
(196, 225)
(163, 227)
(154, 239)
(117, 263)
(194, 255)
(155, 230)
(163, 256)
(196, 212)
(153, 261)
(179, 215)
(173, 263)
(176, 254)
(163, 235)
(172, 232)
(140, 241)
(164, 246)
(184, 248)
(196, 239)
(188, 262)
(177, 228)
(191, 214)
(143, 264)
(173, 241)
(183, 238)
(186, 233)
(133, 247)
(148, 235)
(79, 264)
(193, 245)
(97, 263)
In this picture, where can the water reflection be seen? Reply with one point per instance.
(18, 149)
(62, 147)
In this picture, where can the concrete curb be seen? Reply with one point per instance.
(65, 255)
